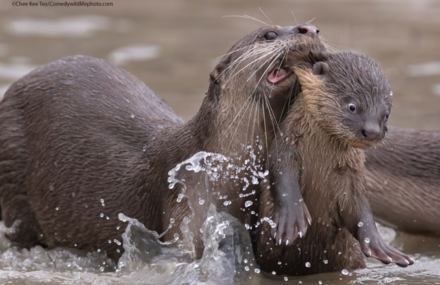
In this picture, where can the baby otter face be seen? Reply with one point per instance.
(349, 97)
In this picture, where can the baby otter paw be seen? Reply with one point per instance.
(291, 222)
(375, 247)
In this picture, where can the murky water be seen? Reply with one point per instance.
(172, 46)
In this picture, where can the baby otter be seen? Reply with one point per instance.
(342, 110)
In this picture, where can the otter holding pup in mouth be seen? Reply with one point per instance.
(82, 140)
(80, 131)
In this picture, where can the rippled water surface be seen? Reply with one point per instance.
(172, 46)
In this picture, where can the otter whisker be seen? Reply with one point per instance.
(265, 62)
(244, 57)
(261, 65)
(296, 22)
(266, 16)
(310, 21)
(234, 51)
(247, 17)
(252, 62)
(238, 114)
(257, 112)
(238, 125)
(274, 124)
(263, 105)
(261, 77)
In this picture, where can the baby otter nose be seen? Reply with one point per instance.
(307, 30)
(371, 131)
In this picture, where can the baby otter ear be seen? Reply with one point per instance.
(218, 74)
(320, 68)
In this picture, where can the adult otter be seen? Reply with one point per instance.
(82, 140)
(403, 181)
(342, 110)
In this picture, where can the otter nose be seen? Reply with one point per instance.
(307, 30)
(371, 131)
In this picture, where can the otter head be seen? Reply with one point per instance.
(349, 96)
(253, 82)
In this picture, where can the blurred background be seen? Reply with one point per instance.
(172, 45)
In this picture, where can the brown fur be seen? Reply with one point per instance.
(80, 129)
(330, 170)
(403, 181)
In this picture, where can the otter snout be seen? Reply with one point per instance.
(371, 131)
(306, 30)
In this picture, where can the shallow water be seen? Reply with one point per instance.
(228, 256)
(172, 46)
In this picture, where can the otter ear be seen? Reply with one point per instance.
(320, 68)
(218, 74)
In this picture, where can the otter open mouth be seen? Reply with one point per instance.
(277, 75)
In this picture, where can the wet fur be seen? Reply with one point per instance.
(403, 181)
(79, 130)
(317, 149)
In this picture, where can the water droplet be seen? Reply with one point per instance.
(308, 264)
(367, 240)
(101, 215)
(109, 241)
(257, 270)
(101, 269)
(51, 188)
(319, 282)
(172, 221)
(339, 252)
(286, 278)
(201, 201)
(56, 208)
(132, 116)
(227, 203)
(248, 204)
(360, 224)
(279, 262)
(325, 261)
(102, 202)
(274, 273)
(344, 271)
(246, 268)
(300, 282)
(117, 242)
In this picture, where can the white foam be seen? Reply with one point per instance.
(78, 26)
(424, 69)
(138, 52)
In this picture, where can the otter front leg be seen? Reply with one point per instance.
(360, 223)
(291, 214)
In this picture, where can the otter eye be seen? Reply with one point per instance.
(270, 36)
(387, 116)
(352, 107)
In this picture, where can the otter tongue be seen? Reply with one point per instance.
(277, 75)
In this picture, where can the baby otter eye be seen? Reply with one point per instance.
(270, 36)
(387, 116)
(352, 107)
